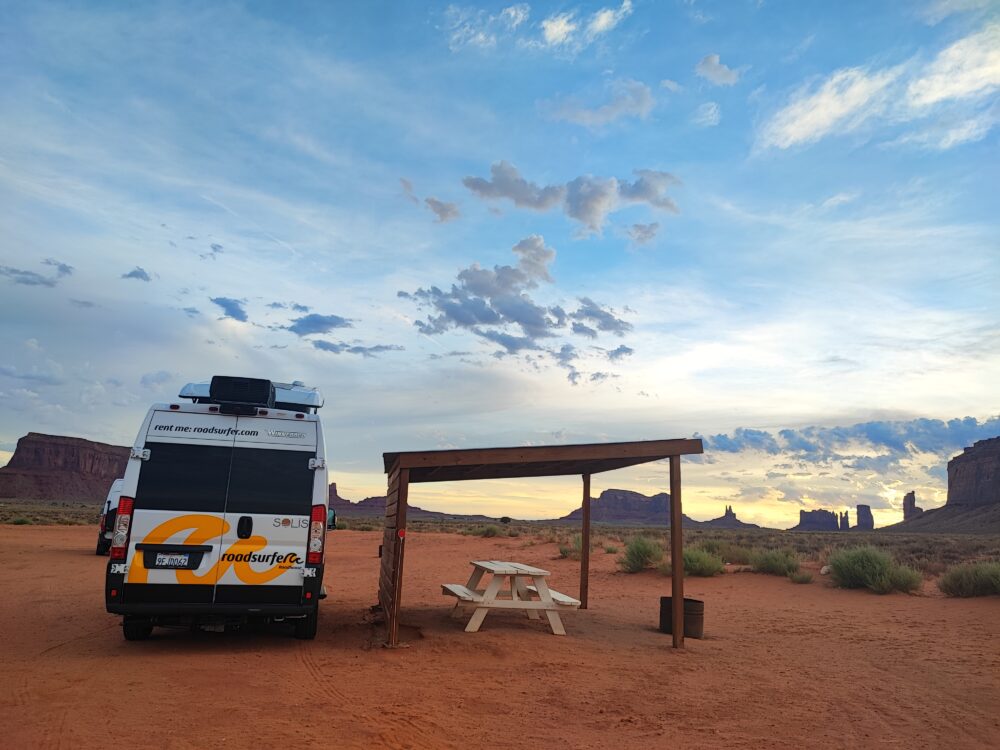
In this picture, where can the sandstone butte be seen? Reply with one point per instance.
(59, 468)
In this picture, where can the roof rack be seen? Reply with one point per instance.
(295, 396)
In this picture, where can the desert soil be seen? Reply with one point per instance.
(781, 666)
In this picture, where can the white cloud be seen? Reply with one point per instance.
(670, 85)
(559, 29)
(515, 15)
(841, 103)
(707, 115)
(838, 200)
(938, 10)
(606, 19)
(968, 68)
(949, 133)
(712, 69)
(471, 27)
(950, 88)
(628, 99)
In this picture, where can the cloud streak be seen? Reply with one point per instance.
(629, 98)
(949, 88)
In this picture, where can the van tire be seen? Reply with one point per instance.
(135, 629)
(305, 627)
(103, 546)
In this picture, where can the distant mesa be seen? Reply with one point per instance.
(59, 468)
(974, 475)
(374, 508)
(973, 505)
(613, 506)
(817, 520)
(627, 507)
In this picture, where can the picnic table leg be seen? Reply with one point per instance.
(555, 622)
(475, 578)
(489, 596)
(525, 595)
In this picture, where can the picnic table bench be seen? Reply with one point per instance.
(512, 586)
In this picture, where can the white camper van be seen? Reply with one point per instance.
(222, 515)
(107, 522)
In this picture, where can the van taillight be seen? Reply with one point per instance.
(123, 525)
(317, 534)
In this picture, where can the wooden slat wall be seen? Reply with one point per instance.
(391, 572)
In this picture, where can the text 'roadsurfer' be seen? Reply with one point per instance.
(222, 515)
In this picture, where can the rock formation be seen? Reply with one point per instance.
(910, 509)
(866, 521)
(374, 508)
(59, 468)
(817, 520)
(845, 522)
(974, 475)
(728, 520)
(625, 506)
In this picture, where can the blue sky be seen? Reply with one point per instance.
(769, 224)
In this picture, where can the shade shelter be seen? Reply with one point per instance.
(404, 469)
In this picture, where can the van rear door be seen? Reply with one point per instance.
(271, 491)
(179, 517)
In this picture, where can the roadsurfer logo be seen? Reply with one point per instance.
(275, 558)
(198, 529)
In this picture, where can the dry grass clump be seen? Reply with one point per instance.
(971, 579)
(872, 568)
(574, 549)
(800, 576)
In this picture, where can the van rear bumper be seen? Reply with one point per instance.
(146, 609)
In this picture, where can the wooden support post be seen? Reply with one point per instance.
(585, 544)
(397, 592)
(676, 553)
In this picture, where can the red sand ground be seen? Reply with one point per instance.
(782, 665)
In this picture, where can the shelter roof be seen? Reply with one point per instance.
(534, 461)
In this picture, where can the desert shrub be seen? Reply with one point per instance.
(21, 521)
(871, 568)
(610, 549)
(513, 532)
(487, 531)
(362, 527)
(712, 546)
(800, 576)
(971, 579)
(902, 578)
(640, 553)
(775, 562)
(737, 554)
(697, 562)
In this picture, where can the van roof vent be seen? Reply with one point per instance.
(254, 391)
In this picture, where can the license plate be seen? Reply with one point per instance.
(172, 559)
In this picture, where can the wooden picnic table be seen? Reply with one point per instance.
(512, 586)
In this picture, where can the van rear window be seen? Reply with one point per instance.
(271, 481)
(184, 477)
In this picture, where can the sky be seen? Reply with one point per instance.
(770, 225)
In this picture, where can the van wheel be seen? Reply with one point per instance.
(136, 629)
(305, 627)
